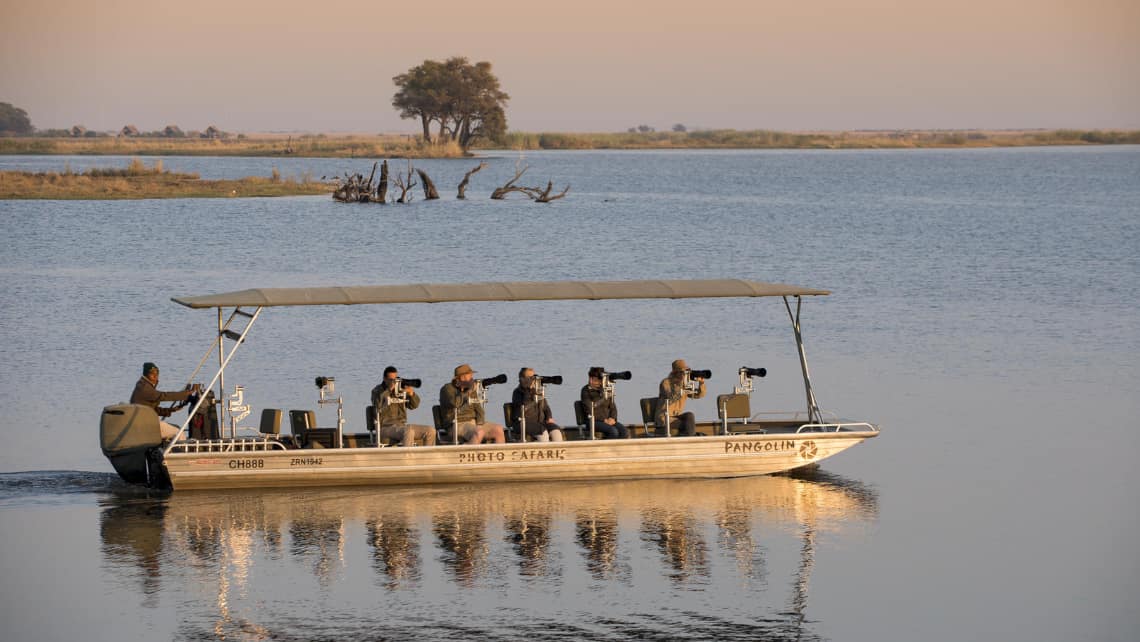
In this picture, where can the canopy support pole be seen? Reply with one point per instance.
(814, 416)
(217, 376)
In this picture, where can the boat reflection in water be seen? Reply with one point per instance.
(546, 553)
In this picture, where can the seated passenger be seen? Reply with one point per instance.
(604, 408)
(529, 404)
(671, 399)
(392, 404)
(458, 402)
(146, 393)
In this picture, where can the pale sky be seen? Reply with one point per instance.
(586, 65)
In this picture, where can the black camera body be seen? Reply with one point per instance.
(409, 383)
(555, 380)
(322, 381)
(700, 374)
(490, 381)
(620, 376)
(754, 372)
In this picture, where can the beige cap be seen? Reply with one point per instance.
(463, 369)
(680, 366)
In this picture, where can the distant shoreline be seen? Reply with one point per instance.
(136, 181)
(406, 146)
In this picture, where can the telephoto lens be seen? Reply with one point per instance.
(755, 372)
(555, 380)
(700, 374)
(322, 382)
(411, 383)
(620, 376)
(490, 381)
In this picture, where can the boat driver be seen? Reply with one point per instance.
(457, 402)
(671, 397)
(392, 407)
(540, 424)
(146, 393)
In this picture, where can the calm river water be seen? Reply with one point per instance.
(985, 312)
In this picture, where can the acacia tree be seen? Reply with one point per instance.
(463, 98)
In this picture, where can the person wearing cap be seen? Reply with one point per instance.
(540, 424)
(457, 403)
(146, 393)
(604, 410)
(671, 397)
(392, 412)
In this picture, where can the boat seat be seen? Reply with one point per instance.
(510, 423)
(306, 433)
(441, 431)
(370, 418)
(583, 419)
(270, 421)
(649, 415)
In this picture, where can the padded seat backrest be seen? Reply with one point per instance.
(270, 421)
(370, 418)
(580, 413)
(649, 410)
(733, 406)
(437, 417)
(302, 421)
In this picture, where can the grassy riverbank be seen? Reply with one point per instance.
(764, 139)
(407, 146)
(137, 181)
(306, 146)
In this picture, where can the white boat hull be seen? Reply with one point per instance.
(674, 457)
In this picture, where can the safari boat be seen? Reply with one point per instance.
(736, 444)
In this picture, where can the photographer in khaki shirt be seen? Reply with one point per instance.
(671, 397)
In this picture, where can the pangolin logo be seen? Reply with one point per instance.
(807, 450)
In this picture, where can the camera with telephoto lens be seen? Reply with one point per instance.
(699, 374)
(554, 380)
(409, 383)
(325, 382)
(754, 372)
(619, 376)
(490, 381)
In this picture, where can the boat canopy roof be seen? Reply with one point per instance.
(504, 291)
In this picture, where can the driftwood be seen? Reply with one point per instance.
(545, 197)
(501, 192)
(536, 194)
(354, 189)
(430, 193)
(467, 177)
(382, 189)
(405, 185)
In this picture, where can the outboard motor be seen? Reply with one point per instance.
(130, 438)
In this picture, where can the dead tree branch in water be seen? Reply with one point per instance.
(354, 189)
(406, 185)
(430, 193)
(382, 189)
(544, 196)
(467, 177)
(501, 192)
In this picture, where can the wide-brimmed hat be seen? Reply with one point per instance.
(463, 369)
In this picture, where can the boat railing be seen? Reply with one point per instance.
(854, 426)
(239, 444)
(792, 416)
